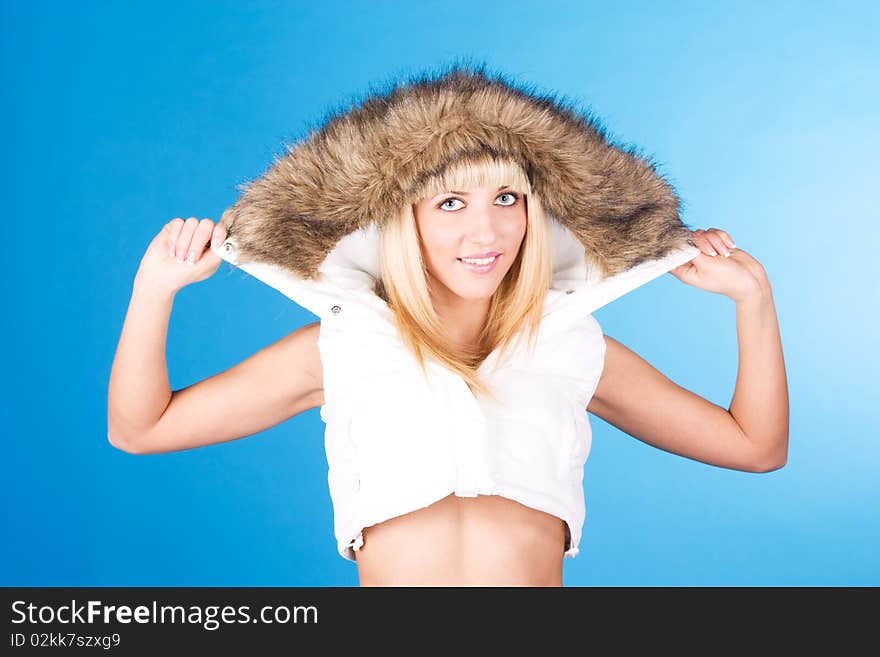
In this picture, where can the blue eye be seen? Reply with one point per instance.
(454, 198)
(444, 202)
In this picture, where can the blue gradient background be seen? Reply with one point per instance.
(117, 119)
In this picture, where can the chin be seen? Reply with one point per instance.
(478, 291)
(473, 289)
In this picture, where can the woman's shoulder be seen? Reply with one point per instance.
(311, 333)
(300, 355)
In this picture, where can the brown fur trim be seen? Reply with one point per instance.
(365, 163)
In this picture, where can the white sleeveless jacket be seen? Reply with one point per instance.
(396, 442)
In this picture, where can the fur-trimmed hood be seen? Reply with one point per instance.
(312, 218)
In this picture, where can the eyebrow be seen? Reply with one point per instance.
(466, 193)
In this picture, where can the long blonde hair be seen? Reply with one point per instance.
(516, 307)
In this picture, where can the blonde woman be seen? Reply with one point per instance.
(454, 236)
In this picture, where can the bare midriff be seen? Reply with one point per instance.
(486, 540)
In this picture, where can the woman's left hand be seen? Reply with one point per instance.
(723, 268)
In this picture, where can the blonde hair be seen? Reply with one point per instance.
(516, 306)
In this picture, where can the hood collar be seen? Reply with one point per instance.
(309, 225)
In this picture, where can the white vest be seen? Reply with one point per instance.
(396, 442)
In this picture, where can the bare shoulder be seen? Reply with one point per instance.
(627, 382)
(306, 355)
(619, 369)
(297, 362)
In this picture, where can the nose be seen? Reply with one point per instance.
(480, 227)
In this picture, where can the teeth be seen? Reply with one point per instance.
(479, 261)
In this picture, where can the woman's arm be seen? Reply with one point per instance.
(752, 434)
(146, 417)
(641, 401)
(139, 391)
(760, 399)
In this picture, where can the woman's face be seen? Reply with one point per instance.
(467, 224)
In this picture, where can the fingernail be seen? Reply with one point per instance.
(713, 252)
(727, 254)
(191, 258)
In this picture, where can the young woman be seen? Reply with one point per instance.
(456, 450)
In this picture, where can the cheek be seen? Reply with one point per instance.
(516, 231)
(441, 242)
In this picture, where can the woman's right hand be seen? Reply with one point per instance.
(180, 254)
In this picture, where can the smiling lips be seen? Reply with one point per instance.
(480, 265)
(475, 256)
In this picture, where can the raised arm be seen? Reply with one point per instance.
(145, 416)
(273, 385)
(752, 433)
(641, 401)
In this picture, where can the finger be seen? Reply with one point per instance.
(199, 240)
(684, 272)
(702, 242)
(186, 235)
(219, 235)
(717, 242)
(727, 239)
(174, 227)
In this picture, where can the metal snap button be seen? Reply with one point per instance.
(336, 310)
(231, 249)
